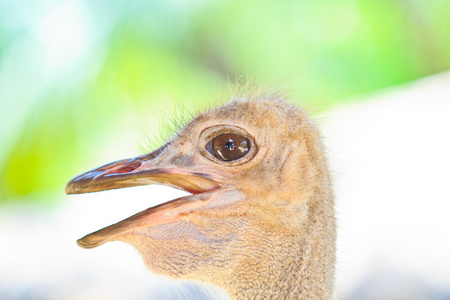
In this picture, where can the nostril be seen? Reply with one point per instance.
(129, 168)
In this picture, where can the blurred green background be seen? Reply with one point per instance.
(73, 73)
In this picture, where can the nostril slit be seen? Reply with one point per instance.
(129, 168)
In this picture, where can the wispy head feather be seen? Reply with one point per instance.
(173, 120)
(170, 121)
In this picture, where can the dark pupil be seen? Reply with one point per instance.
(230, 146)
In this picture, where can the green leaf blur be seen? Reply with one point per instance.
(72, 71)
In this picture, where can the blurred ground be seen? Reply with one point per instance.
(390, 158)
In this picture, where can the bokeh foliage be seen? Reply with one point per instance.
(70, 70)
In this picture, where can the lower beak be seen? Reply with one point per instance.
(143, 170)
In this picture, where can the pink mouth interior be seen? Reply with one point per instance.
(194, 192)
(128, 168)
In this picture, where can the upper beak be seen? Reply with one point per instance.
(140, 170)
(143, 170)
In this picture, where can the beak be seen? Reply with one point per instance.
(143, 170)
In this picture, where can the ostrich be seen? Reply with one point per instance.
(259, 222)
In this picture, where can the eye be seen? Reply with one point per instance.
(228, 146)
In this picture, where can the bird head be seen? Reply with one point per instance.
(251, 166)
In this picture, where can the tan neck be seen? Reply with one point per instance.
(299, 266)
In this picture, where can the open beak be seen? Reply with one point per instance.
(144, 170)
